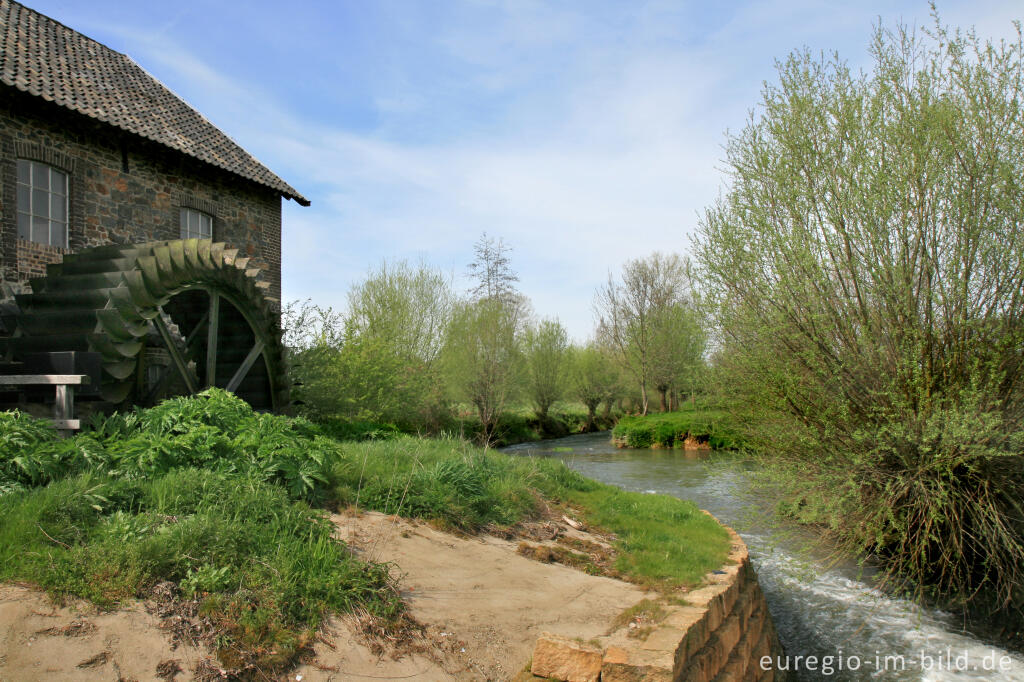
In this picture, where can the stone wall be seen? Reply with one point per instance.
(721, 634)
(125, 189)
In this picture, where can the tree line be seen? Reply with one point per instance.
(410, 350)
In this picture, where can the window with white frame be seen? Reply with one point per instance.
(42, 203)
(196, 224)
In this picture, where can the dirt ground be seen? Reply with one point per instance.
(482, 606)
(39, 641)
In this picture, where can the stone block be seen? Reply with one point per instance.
(664, 639)
(729, 633)
(566, 659)
(619, 672)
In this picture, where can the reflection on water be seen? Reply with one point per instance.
(829, 611)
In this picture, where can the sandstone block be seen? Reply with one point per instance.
(729, 633)
(620, 672)
(566, 659)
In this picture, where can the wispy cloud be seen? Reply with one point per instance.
(582, 134)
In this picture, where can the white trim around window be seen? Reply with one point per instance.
(42, 203)
(195, 224)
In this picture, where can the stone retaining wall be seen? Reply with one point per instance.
(721, 634)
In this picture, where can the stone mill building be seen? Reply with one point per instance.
(94, 150)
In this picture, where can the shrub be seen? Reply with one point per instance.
(864, 268)
(670, 429)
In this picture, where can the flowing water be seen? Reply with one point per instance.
(825, 610)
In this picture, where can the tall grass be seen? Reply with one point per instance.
(202, 492)
(661, 541)
(243, 546)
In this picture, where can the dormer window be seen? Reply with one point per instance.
(42, 204)
(196, 224)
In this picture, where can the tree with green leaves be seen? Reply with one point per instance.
(379, 364)
(593, 379)
(403, 306)
(546, 347)
(866, 270)
(483, 361)
(482, 356)
(678, 342)
(629, 312)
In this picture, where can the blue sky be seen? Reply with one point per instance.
(582, 133)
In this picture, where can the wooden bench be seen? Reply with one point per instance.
(64, 406)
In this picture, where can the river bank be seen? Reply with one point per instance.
(520, 425)
(218, 514)
(690, 428)
(820, 608)
(479, 606)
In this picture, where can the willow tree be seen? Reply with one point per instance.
(405, 307)
(379, 363)
(866, 266)
(483, 358)
(593, 379)
(677, 346)
(631, 311)
(546, 350)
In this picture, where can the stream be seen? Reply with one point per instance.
(825, 610)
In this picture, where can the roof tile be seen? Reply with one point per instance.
(45, 58)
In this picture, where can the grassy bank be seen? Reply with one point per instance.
(670, 429)
(199, 492)
(662, 541)
(228, 505)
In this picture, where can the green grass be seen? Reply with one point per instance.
(228, 505)
(201, 492)
(265, 565)
(669, 429)
(661, 540)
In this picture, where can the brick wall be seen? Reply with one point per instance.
(33, 258)
(125, 189)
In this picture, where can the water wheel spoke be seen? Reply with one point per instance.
(192, 342)
(176, 356)
(244, 368)
(158, 388)
(193, 336)
(211, 339)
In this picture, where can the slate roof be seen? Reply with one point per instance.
(45, 58)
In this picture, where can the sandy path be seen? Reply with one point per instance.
(482, 604)
(39, 641)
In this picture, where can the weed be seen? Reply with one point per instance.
(642, 615)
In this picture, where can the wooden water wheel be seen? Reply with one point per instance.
(167, 318)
